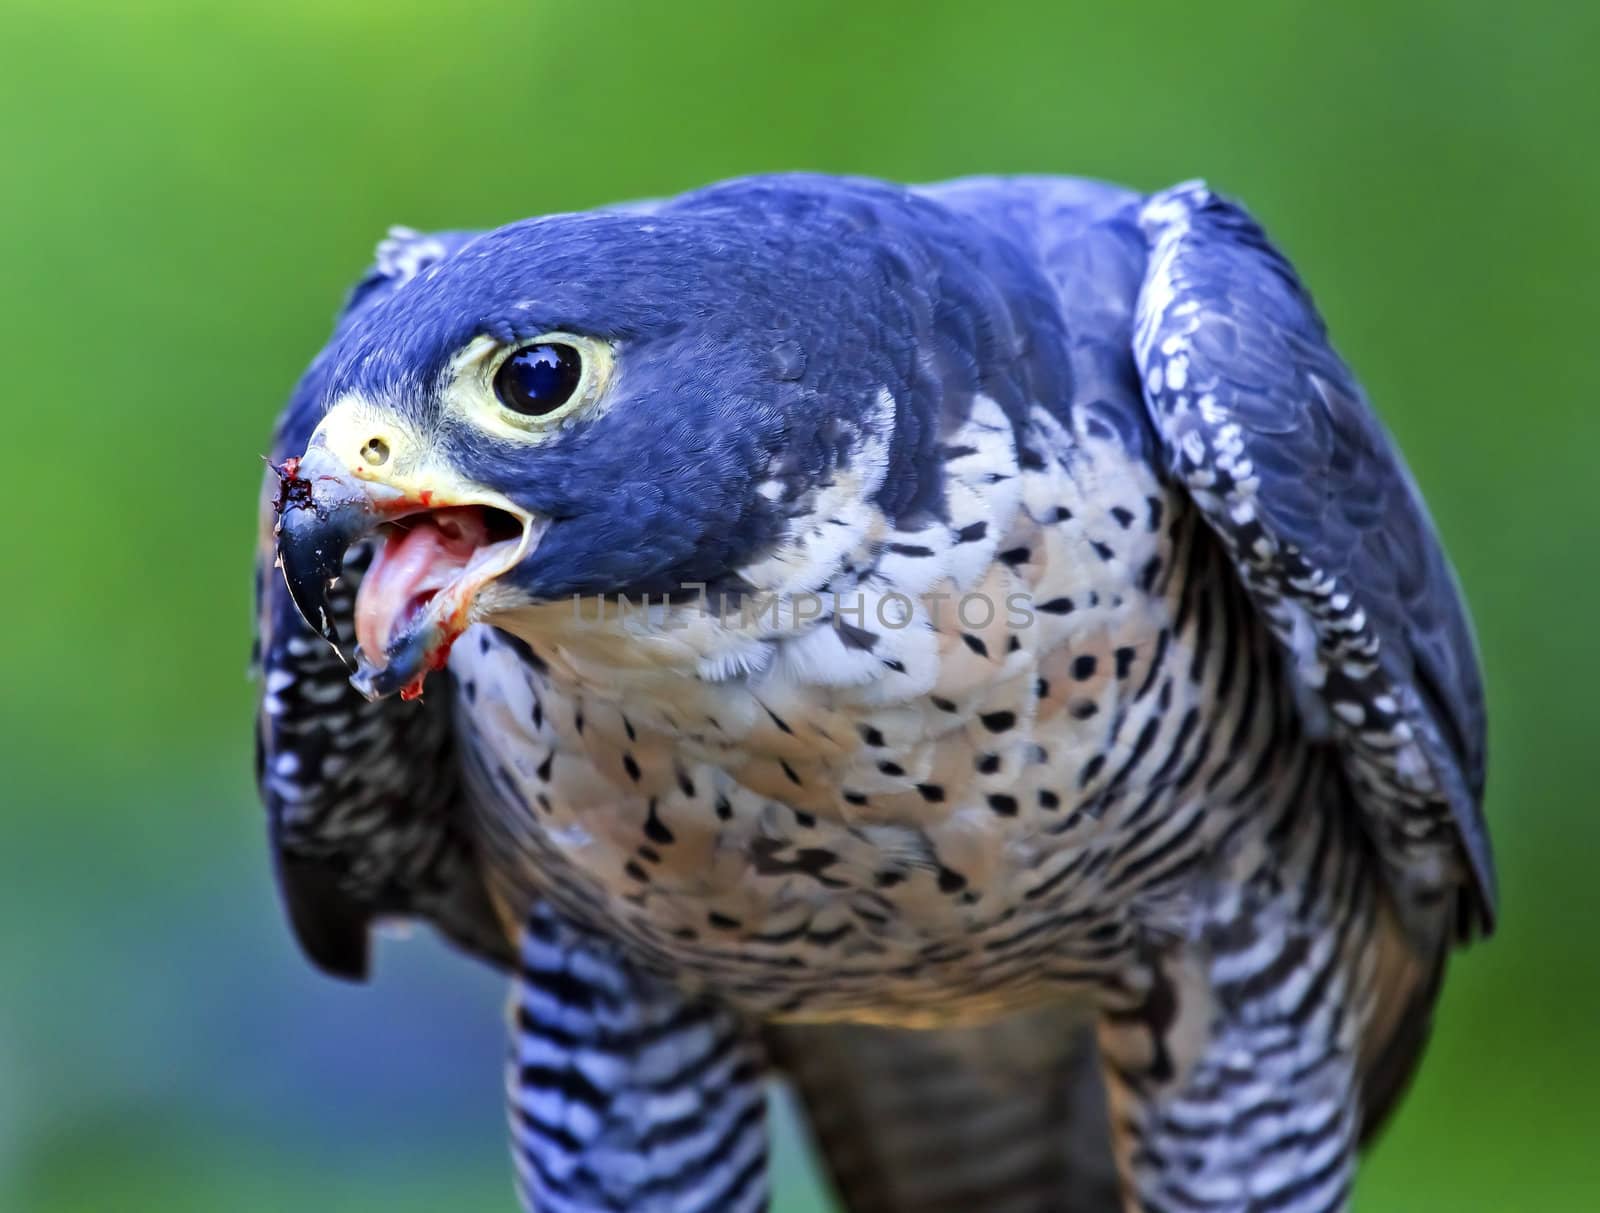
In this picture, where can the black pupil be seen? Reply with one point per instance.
(539, 379)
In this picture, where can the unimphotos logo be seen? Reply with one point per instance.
(890, 611)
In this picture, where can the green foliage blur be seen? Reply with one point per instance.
(187, 189)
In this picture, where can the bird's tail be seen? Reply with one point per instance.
(1009, 1117)
(1407, 978)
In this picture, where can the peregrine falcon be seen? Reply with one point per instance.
(971, 649)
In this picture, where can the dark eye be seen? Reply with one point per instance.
(539, 379)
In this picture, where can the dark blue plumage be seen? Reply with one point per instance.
(758, 323)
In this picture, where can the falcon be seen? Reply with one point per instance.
(971, 649)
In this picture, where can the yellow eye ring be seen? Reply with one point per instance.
(527, 390)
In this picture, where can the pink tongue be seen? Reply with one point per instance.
(420, 557)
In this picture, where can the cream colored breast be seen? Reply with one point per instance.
(791, 801)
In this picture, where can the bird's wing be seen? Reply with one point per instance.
(1009, 1117)
(1273, 439)
(360, 797)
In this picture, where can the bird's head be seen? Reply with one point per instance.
(616, 403)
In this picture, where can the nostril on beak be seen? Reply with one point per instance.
(375, 451)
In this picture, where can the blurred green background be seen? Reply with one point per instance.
(186, 190)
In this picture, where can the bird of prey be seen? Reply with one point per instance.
(970, 648)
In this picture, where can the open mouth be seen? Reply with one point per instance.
(418, 594)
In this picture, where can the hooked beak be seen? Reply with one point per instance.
(321, 512)
(442, 543)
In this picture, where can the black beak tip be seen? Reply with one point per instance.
(312, 542)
